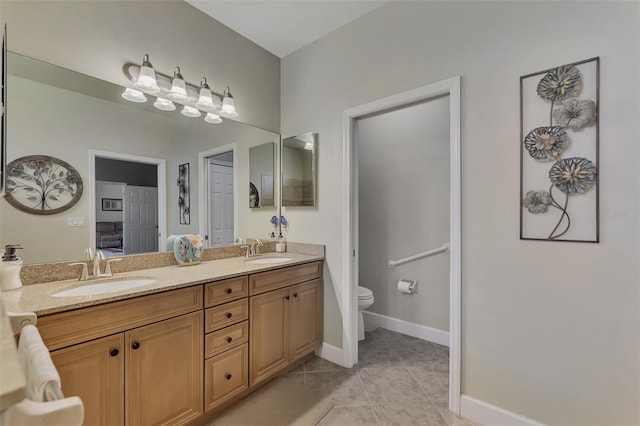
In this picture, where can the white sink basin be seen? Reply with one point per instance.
(267, 260)
(105, 287)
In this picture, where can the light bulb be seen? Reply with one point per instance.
(178, 91)
(188, 111)
(164, 104)
(228, 105)
(213, 118)
(147, 77)
(134, 95)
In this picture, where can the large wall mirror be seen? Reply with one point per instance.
(84, 121)
(299, 170)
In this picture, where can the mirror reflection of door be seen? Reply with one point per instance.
(126, 207)
(220, 199)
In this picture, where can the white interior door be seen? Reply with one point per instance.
(220, 199)
(140, 219)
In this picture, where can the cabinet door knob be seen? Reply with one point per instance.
(287, 297)
(114, 352)
(229, 291)
(136, 345)
(229, 314)
(295, 294)
(228, 376)
(229, 339)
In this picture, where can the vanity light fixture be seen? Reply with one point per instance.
(147, 77)
(164, 104)
(188, 111)
(134, 95)
(194, 99)
(228, 105)
(178, 91)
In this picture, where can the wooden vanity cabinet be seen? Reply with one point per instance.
(148, 375)
(286, 324)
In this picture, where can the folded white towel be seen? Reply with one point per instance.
(43, 380)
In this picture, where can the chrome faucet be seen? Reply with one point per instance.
(99, 256)
(253, 249)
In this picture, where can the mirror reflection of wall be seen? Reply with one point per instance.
(261, 185)
(299, 170)
(76, 113)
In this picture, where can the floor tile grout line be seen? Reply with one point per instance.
(366, 394)
(430, 399)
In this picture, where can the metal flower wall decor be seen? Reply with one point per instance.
(559, 153)
(184, 201)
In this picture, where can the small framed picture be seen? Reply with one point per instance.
(112, 204)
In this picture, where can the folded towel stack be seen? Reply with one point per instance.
(43, 380)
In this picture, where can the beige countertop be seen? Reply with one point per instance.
(37, 297)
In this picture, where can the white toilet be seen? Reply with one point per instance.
(365, 299)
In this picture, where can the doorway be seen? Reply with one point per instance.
(450, 87)
(128, 209)
(217, 190)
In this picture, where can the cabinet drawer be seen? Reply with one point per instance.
(225, 339)
(227, 314)
(225, 376)
(272, 280)
(68, 328)
(225, 291)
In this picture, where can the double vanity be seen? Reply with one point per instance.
(183, 342)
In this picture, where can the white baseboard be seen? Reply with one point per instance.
(490, 415)
(405, 327)
(331, 353)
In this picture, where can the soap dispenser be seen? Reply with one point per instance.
(10, 268)
(281, 244)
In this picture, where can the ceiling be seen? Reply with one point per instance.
(284, 26)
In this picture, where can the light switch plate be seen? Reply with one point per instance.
(75, 221)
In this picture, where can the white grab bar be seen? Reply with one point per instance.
(394, 263)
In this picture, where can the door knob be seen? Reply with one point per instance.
(287, 297)
(228, 376)
(136, 345)
(295, 294)
(229, 314)
(229, 291)
(229, 339)
(114, 352)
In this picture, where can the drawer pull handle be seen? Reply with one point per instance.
(229, 291)
(229, 339)
(228, 376)
(114, 352)
(287, 297)
(229, 314)
(295, 294)
(136, 345)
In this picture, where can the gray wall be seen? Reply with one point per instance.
(403, 173)
(549, 330)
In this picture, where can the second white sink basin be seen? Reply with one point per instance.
(104, 287)
(267, 260)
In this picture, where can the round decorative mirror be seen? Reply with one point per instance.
(43, 185)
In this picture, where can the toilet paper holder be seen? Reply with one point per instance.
(408, 286)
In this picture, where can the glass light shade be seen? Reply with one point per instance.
(188, 111)
(147, 77)
(164, 104)
(134, 95)
(308, 146)
(213, 118)
(205, 101)
(228, 107)
(178, 91)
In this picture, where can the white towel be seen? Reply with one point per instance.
(43, 380)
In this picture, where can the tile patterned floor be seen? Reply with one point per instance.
(399, 381)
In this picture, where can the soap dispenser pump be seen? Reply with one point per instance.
(10, 268)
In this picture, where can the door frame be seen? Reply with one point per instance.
(349, 299)
(161, 168)
(203, 187)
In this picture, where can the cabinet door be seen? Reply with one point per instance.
(94, 371)
(164, 371)
(306, 318)
(269, 334)
(225, 376)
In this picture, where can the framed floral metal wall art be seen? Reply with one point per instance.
(559, 127)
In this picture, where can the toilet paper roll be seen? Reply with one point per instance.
(408, 286)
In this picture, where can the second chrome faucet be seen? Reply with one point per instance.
(253, 249)
(99, 256)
